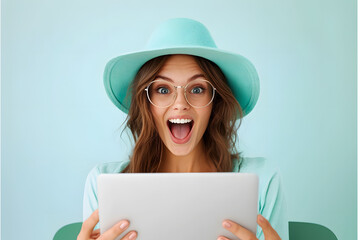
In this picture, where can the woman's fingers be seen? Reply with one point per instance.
(243, 233)
(95, 234)
(237, 230)
(88, 226)
(130, 235)
(118, 229)
(269, 232)
(87, 229)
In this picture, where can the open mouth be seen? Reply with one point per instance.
(180, 128)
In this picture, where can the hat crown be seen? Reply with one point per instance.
(180, 32)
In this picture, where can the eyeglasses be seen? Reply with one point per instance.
(198, 93)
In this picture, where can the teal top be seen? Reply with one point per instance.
(271, 203)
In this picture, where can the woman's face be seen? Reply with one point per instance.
(181, 139)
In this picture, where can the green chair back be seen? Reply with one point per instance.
(309, 231)
(68, 232)
(297, 231)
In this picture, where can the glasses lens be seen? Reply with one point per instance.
(199, 93)
(161, 93)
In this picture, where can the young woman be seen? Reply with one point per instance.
(186, 97)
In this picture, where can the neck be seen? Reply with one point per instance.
(195, 161)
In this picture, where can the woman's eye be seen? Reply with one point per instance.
(163, 90)
(197, 90)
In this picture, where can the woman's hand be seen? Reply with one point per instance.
(87, 230)
(244, 234)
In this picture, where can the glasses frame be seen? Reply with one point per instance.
(176, 94)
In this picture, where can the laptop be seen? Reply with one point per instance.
(178, 206)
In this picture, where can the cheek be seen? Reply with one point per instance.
(207, 113)
(205, 117)
(158, 117)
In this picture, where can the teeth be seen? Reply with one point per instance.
(180, 121)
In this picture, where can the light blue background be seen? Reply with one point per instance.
(57, 121)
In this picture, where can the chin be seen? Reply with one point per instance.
(180, 150)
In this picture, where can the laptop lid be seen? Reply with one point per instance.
(178, 206)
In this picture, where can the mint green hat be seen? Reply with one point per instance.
(182, 36)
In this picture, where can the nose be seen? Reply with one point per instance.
(180, 102)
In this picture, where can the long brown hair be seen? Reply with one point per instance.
(219, 137)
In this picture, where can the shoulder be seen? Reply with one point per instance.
(271, 203)
(109, 167)
(257, 165)
(266, 170)
(90, 201)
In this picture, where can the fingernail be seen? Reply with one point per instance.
(227, 224)
(124, 225)
(132, 235)
(261, 218)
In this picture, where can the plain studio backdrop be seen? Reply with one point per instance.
(58, 123)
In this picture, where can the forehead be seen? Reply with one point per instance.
(180, 67)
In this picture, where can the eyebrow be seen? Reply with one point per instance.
(190, 79)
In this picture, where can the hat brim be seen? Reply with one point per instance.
(240, 73)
